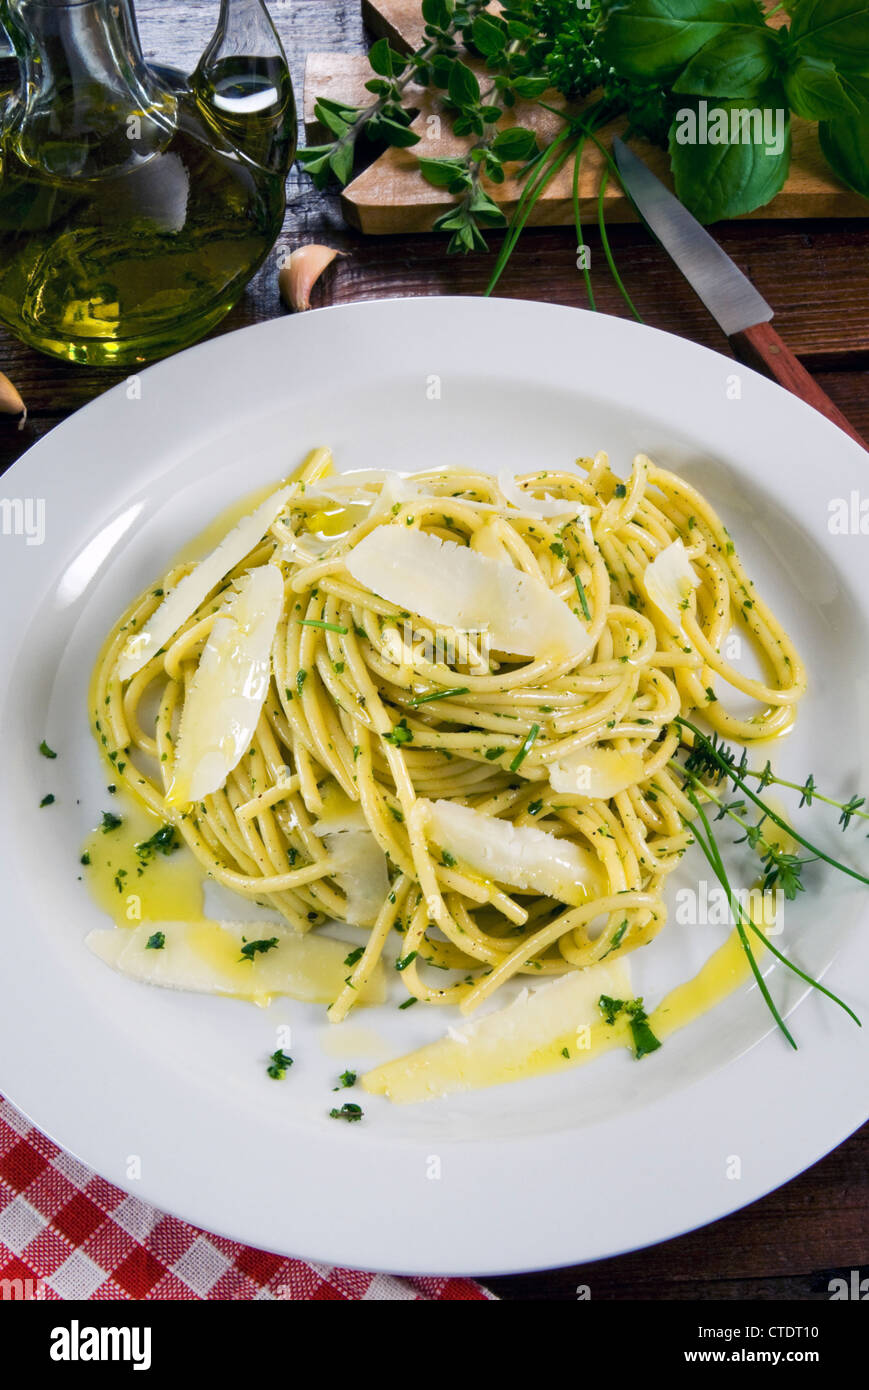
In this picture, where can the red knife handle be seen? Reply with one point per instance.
(762, 348)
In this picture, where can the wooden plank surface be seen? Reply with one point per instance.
(816, 275)
(390, 197)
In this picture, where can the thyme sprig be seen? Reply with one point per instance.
(720, 763)
(780, 868)
(710, 758)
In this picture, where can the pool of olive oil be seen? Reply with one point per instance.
(141, 259)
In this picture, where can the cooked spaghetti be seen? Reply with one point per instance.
(444, 705)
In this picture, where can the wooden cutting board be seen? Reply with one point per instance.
(390, 196)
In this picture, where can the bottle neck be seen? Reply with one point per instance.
(87, 100)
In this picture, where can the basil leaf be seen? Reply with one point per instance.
(515, 143)
(718, 180)
(815, 91)
(738, 63)
(837, 29)
(845, 143)
(655, 38)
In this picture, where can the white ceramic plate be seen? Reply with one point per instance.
(562, 1169)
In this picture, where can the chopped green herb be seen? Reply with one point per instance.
(643, 1038)
(586, 612)
(48, 800)
(46, 751)
(400, 734)
(618, 937)
(354, 955)
(439, 695)
(525, 749)
(404, 961)
(250, 948)
(156, 941)
(110, 822)
(327, 627)
(279, 1064)
(348, 1112)
(163, 841)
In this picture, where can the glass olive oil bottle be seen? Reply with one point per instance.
(132, 213)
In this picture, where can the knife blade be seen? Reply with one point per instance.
(729, 295)
(732, 300)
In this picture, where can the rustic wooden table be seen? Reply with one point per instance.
(816, 276)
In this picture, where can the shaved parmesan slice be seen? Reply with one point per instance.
(396, 489)
(519, 855)
(527, 1038)
(456, 587)
(669, 581)
(225, 697)
(339, 812)
(547, 506)
(361, 873)
(597, 773)
(185, 598)
(206, 957)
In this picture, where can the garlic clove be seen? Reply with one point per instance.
(10, 400)
(301, 272)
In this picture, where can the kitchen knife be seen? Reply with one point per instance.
(729, 295)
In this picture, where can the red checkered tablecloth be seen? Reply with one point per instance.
(66, 1233)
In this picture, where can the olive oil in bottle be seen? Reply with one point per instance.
(132, 215)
